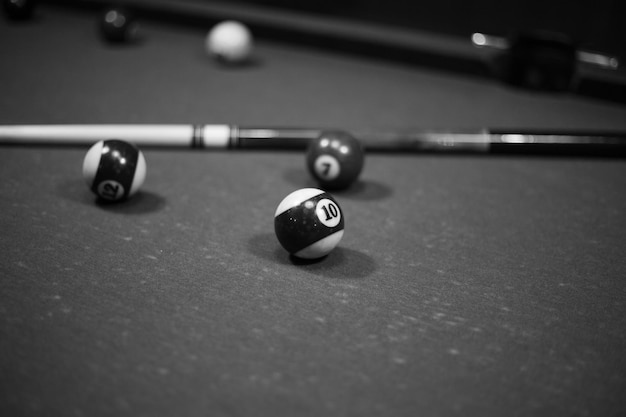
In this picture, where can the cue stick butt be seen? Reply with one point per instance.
(149, 135)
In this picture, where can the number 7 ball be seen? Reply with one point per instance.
(335, 159)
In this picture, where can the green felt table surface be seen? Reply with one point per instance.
(464, 284)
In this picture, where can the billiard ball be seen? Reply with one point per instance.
(18, 9)
(309, 223)
(118, 25)
(335, 159)
(114, 169)
(229, 41)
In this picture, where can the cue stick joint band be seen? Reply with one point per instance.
(233, 137)
(216, 136)
(197, 140)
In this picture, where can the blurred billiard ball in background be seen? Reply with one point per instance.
(118, 25)
(230, 42)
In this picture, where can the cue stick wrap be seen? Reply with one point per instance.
(413, 141)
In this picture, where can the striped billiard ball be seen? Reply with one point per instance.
(118, 25)
(309, 223)
(335, 159)
(114, 169)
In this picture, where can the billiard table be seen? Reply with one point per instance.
(466, 283)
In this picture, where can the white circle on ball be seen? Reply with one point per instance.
(327, 167)
(328, 212)
(110, 190)
(230, 40)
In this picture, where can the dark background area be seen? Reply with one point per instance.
(594, 24)
(433, 34)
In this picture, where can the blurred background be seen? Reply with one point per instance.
(598, 25)
(542, 44)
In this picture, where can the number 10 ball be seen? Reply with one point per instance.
(114, 169)
(309, 223)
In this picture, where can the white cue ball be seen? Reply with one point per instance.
(230, 41)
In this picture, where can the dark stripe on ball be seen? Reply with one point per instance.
(111, 167)
(294, 235)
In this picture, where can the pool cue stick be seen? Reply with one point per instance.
(588, 57)
(222, 136)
